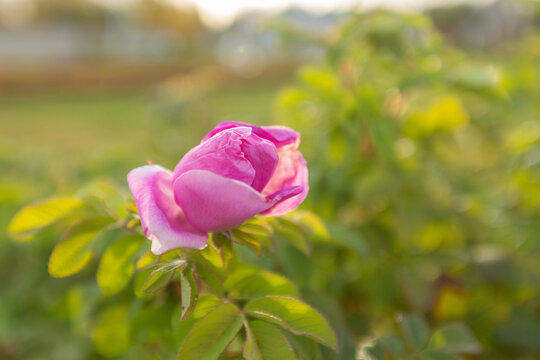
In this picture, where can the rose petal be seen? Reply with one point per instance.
(285, 194)
(291, 171)
(162, 220)
(279, 135)
(212, 202)
(263, 156)
(222, 154)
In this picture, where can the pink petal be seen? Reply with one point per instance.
(162, 220)
(285, 194)
(212, 202)
(279, 135)
(263, 156)
(222, 154)
(291, 171)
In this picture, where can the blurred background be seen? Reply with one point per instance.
(420, 122)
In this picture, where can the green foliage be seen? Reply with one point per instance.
(75, 250)
(211, 335)
(111, 334)
(249, 284)
(34, 217)
(421, 164)
(293, 315)
(189, 290)
(265, 341)
(455, 338)
(424, 201)
(416, 341)
(416, 331)
(117, 267)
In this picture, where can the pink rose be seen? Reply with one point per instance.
(237, 171)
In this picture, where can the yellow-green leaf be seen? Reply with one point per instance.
(74, 252)
(248, 240)
(36, 216)
(117, 264)
(259, 284)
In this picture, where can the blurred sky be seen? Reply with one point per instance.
(219, 13)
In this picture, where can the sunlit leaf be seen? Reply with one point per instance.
(36, 216)
(294, 315)
(259, 284)
(248, 240)
(205, 304)
(257, 227)
(117, 264)
(75, 250)
(146, 260)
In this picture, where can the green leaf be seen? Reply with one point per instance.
(36, 216)
(189, 292)
(111, 335)
(295, 316)
(107, 195)
(74, 252)
(455, 338)
(117, 264)
(257, 227)
(141, 275)
(224, 247)
(248, 240)
(305, 348)
(205, 304)
(311, 222)
(211, 335)
(416, 330)
(209, 274)
(264, 341)
(293, 234)
(259, 284)
(146, 260)
(157, 280)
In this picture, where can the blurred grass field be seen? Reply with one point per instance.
(68, 131)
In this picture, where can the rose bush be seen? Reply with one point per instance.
(237, 171)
